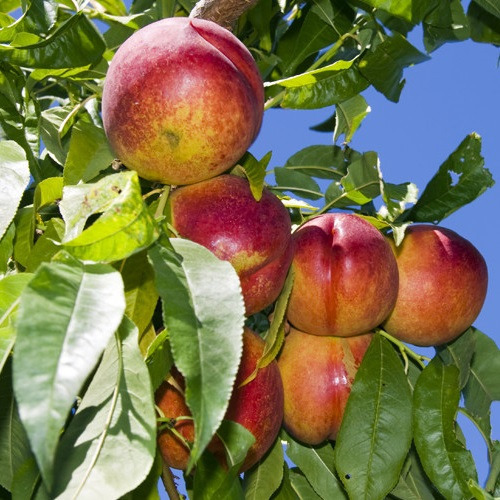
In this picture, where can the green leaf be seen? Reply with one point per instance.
(301, 486)
(275, 336)
(484, 26)
(255, 171)
(322, 87)
(14, 179)
(297, 183)
(375, 433)
(140, 290)
(11, 288)
(75, 43)
(413, 484)
(348, 117)
(459, 180)
(317, 463)
(286, 491)
(459, 353)
(47, 191)
(125, 226)
(383, 66)
(490, 6)
(47, 245)
(447, 22)
(396, 197)
(362, 182)
(14, 444)
(109, 446)
(410, 10)
(60, 337)
(159, 359)
(7, 248)
(262, 480)
(317, 28)
(203, 312)
(445, 460)
(25, 232)
(482, 384)
(88, 153)
(50, 123)
(326, 162)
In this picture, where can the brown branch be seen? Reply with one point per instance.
(222, 12)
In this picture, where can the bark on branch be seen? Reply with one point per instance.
(222, 12)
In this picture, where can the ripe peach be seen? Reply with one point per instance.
(346, 276)
(254, 236)
(182, 101)
(258, 406)
(317, 373)
(442, 286)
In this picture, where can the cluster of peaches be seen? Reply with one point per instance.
(182, 102)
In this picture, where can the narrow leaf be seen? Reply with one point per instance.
(445, 460)
(204, 314)
(276, 333)
(14, 179)
(459, 180)
(109, 447)
(60, 337)
(375, 433)
(297, 183)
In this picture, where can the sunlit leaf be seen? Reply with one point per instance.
(11, 288)
(204, 314)
(75, 43)
(7, 247)
(109, 446)
(459, 180)
(14, 178)
(47, 245)
(296, 182)
(255, 170)
(445, 460)
(125, 226)
(60, 337)
(375, 433)
(348, 117)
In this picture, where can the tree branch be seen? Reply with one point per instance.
(223, 12)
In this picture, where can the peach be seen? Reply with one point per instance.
(257, 405)
(346, 276)
(317, 373)
(254, 236)
(443, 280)
(182, 101)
